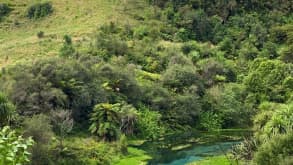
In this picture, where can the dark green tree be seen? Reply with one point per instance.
(67, 50)
(105, 121)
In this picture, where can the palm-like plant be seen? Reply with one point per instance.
(281, 120)
(7, 110)
(105, 121)
(128, 119)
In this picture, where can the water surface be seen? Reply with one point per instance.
(189, 147)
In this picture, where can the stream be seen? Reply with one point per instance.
(185, 148)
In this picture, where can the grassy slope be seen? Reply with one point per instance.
(216, 160)
(134, 156)
(18, 35)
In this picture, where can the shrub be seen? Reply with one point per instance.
(128, 119)
(63, 123)
(13, 148)
(182, 35)
(4, 9)
(178, 77)
(105, 121)
(40, 129)
(181, 73)
(7, 110)
(266, 77)
(39, 10)
(286, 54)
(40, 34)
(187, 47)
(210, 121)
(111, 45)
(276, 150)
(149, 124)
(140, 32)
(67, 49)
(244, 150)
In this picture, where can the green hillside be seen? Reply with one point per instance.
(146, 82)
(18, 34)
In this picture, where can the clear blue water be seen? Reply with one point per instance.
(199, 146)
(197, 152)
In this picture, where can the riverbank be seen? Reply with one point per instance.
(178, 149)
(215, 160)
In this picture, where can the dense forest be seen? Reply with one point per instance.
(159, 68)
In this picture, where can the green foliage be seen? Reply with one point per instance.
(87, 151)
(228, 103)
(286, 54)
(244, 150)
(272, 140)
(210, 121)
(108, 43)
(40, 34)
(109, 120)
(178, 77)
(39, 128)
(266, 78)
(140, 32)
(13, 148)
(4, 9)
(197, 23)
(177, 65)
(149, 123)
(212, 68)
(135, 156)
(32, 93)
(39, 10)
(273, 119)
(63, 123)
(276, 151)
(67, 50)
(7, 110)
(119, 83)
(128, 118)
(123, 144)
(52, 83)
(105, 121)
(182, 35)
(219, 160)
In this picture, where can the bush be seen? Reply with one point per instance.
(63, 123)
(244, 150)
(39, 10)
(40, 34)
(13, 148)
(4, 9)
(110, 45)
(67, 50)
(40, 129)
(181, 73)
(7, 110)
(210, 121)
(140, 32)
(286, 54)
(188, 47)
(105, 121)
(276, 150)
(149, 124)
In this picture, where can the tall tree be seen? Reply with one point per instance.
(105, 121)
